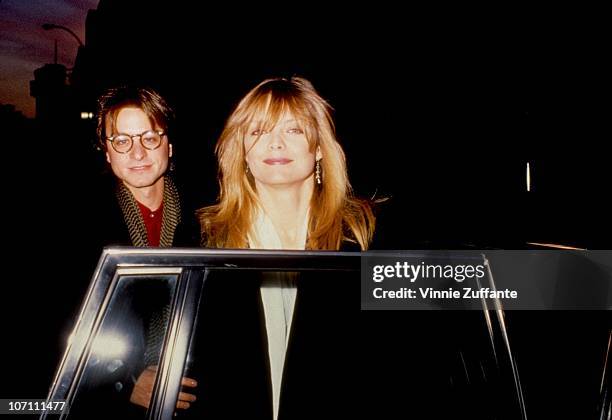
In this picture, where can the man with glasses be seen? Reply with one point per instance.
(142, 208)
(133, 132)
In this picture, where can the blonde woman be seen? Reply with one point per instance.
(284, 185)
(283, 176)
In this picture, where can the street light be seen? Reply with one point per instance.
(49, 26)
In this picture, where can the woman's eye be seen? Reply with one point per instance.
(296, 130)
(258, 132)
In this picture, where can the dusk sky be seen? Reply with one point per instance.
(25, 46)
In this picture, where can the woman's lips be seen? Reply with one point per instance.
(278, 161)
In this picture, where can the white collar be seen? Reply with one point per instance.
(263, 234)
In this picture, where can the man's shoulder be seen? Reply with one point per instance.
(100, 215)
(101, 188)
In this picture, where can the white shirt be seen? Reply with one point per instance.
(278, 294)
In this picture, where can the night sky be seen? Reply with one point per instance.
(25, 46)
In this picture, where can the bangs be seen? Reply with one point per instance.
(266, 108)
(111, 116)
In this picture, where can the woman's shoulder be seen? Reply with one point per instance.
(349, 246)
(388, 226)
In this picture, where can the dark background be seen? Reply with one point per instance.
(438, 112)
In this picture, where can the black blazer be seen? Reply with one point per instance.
(229, 356)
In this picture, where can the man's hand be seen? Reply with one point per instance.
(143, 390)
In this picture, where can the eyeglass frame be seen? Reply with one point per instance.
(161, 134)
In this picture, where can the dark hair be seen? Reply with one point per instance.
(147, 99)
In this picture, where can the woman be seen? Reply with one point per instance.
(284, 185)
(283, 176)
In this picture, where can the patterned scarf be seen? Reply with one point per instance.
(155, 335)
(171, 216)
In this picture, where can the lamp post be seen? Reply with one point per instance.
(52, 86)
(49, 26)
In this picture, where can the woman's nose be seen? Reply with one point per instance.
(276, 141)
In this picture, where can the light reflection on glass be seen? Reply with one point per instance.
(109, 346)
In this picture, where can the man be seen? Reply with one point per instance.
(133, 130)
(140, 207)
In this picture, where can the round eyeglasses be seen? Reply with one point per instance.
(150, 140)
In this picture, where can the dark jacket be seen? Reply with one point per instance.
(109, 228)
(97, 223)
(230, 356)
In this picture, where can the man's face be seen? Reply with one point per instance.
(140, 167)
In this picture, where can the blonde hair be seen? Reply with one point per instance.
(335, 214)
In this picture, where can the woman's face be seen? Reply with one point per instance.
(280, 156)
